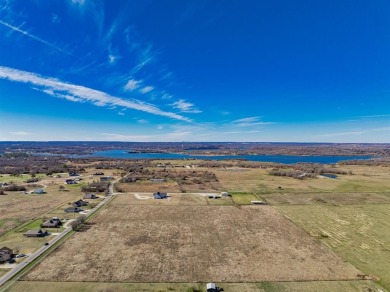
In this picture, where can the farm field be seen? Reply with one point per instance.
(148, 243)
(363, 179)
(318, 286)
(358, 233)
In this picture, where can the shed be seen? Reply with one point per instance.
(258, 203)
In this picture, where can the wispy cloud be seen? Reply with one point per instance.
(20, 133)
(166, 137)
(146, 89)
(251, 121)
(78, 2)
(132, 84)
(353, 133)
(26, 33)
(185, 107)
(77, 93)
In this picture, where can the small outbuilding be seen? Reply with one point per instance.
(225, 194)
(159, 195)
(211, 287)
(36, 233)
(258, 203)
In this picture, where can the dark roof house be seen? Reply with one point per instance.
(70, 182)
(54, 222)
(80, 203)
(5, 254)
(36, 233)
(159, 195)
(73, 210)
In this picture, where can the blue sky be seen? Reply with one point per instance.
(174, 70)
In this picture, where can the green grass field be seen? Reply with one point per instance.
(358, 233)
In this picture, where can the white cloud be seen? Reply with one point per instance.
(341, 134)
(185, 106)
(146, 89)
(112, 59)
(167, 137)
(77, 93)
(20, 133)
(78, 2)
(251, 121)
(132, 84)
(14, 28)
(142, 121)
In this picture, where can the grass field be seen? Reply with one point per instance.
(364, 179)
(318, 286)
(359, 233)
(17, 208)
(187, 243)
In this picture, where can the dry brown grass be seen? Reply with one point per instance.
(180, 243)
(364, 179)
(16, 207)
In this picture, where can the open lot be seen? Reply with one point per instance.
(363, 179)
(187, 243)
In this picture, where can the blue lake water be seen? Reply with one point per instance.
(286, 159)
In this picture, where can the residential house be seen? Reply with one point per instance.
(90, 196)
(36, 233)
(71, 182)
(73, 210)
(106, 178)
(159, 195)
(54, 222)
(5, 254)
(39, 191)
(80, 203)
(73, 173)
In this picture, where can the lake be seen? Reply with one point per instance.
(285, 159)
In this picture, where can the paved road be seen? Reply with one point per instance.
(40, 251)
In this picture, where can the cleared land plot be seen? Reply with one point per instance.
(318, 286)
(360, 234)
(364, 179)
(174, 199)
(137, 243)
